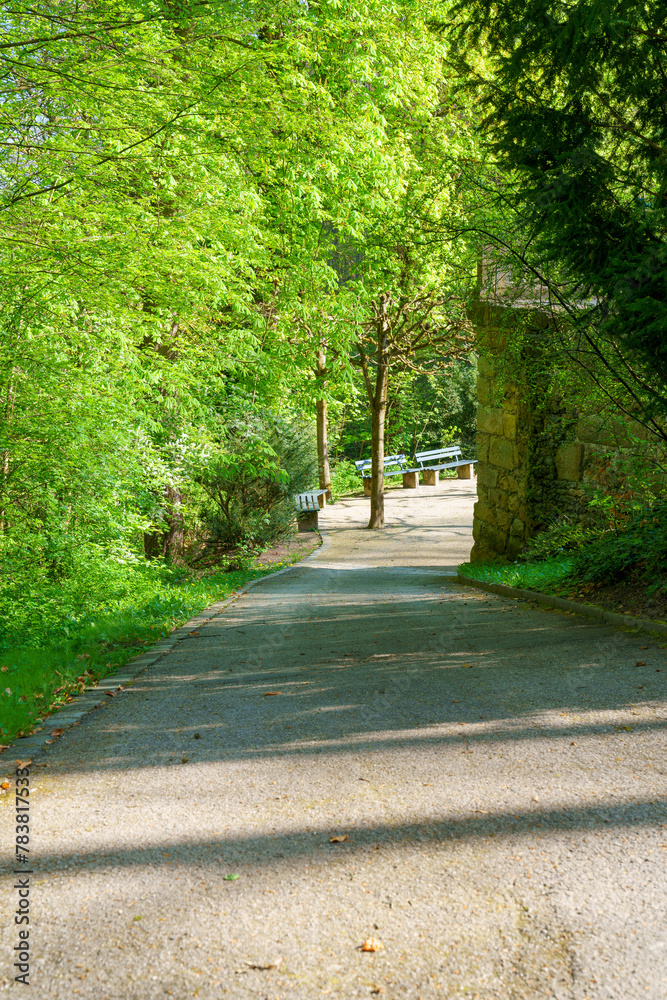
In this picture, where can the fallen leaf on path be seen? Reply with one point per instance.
(23, 763)
(269, 965)
(5, 784)
(372, 944)
(643, 647)
(4, 669)
(378, 989)
(466, 664)
(640, 663)
(110, 694)
(267, 694)
(57, 732)
(184, 760)
(193, 633)
(231, 878)
(339, 839)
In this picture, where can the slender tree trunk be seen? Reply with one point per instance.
(168, 544)
(322, 431)
(174, 537)
(379, 413)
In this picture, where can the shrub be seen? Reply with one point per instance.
(639, 549)
(563, 536)
(252, 477)
(344, 479)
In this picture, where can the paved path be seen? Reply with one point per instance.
(497, 770)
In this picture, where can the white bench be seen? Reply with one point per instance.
(365, 464)
(308, 506)
(430, 463)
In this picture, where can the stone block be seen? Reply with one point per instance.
(503, 518)
(308, 522)
(482, 446)
(485, 366)
(430, 477)
(508, 482)
(502, 453)
(509, 426)
(483, 512)
(498, 498)
(367, 486)
(486, 475)
(569, 462)
(490, 419)
(513, 502)
(484, 391)
(596, 429)
(410, 480)
(464, 471)
(489, 543)
(518, 528)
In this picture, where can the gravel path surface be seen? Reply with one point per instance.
(497, 772)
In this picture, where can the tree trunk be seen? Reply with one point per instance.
(168, 544)
(379, 412)
(322, 432)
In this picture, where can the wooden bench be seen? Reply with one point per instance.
(308, 506)
(430, 463)
(365, 464)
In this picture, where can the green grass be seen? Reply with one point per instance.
(61, 638)
(546, 576)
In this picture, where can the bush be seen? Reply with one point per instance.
(564, 536)
(252, 477)
(639, 549)
(344, 479)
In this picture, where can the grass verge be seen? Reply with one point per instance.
(547, 576)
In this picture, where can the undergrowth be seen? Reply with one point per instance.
(568, 556)
(544, 576)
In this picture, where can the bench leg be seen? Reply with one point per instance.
(410, 480)
(430, 477)
(367, 486)
(464, 471)
(308, 522)
(322, 500)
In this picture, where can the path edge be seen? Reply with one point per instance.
(562, 604)
(27, 747)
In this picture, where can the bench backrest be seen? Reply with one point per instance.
(365, 463)
(432, 456)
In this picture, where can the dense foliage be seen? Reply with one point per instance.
(574, 113)
(178, 187)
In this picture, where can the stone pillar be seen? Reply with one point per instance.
(322, 500)
(410, 480)
(499, 525)
(430, 477)
(464, 471)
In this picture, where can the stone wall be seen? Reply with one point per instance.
(535, 455)
(500, 525)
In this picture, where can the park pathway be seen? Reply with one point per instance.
(492, 776)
